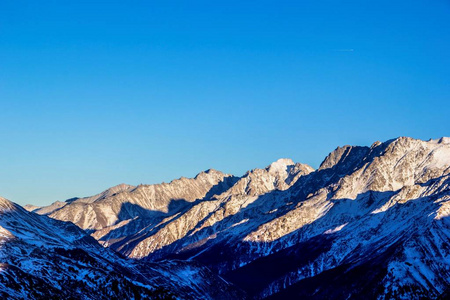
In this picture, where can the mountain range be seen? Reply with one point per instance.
(370, 222)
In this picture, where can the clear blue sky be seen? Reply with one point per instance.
(95, 93)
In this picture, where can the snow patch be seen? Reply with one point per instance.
(440, 157)
(240, 222)
(336, 229)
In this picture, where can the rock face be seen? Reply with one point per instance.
(42, 258)
(370, 222)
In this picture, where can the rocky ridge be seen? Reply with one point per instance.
(378, 213)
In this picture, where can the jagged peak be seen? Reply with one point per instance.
(280, 165)
(342, 153)
(441, 140)
(406, 140)
(402, 140)
(346, 158)
(210, 172)
(407, 143)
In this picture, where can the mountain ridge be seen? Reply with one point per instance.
(43, 258)
(358, 193)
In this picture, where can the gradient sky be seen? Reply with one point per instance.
(96, 93)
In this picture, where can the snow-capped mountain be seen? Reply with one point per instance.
(42, 258)
(371, 222)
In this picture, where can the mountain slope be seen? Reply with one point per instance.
(42, 258)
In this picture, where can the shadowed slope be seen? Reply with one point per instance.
(42, 258)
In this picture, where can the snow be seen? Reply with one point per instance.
(336, 229)
(441, 157)
(280, 165)
(240, 222)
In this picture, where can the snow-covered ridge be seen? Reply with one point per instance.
(361, 203)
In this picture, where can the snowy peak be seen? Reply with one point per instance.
(279, 175)
(214, 177)
(280, 165)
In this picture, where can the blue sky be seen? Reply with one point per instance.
(96, 93)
